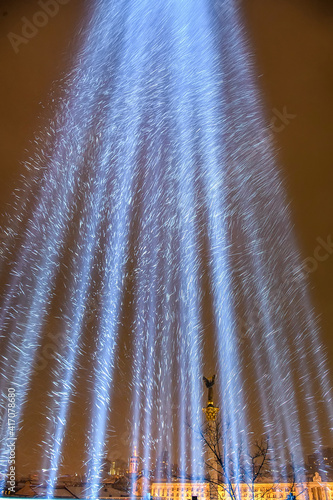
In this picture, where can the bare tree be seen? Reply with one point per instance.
(230, 469)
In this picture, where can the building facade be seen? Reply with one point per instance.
(313, 490)
(177, 490)
(134, 463)
(180, 490)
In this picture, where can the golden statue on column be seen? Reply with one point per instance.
(211, 412)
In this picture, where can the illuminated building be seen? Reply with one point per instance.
(134, 463)
(142, 486)
(322, 462)
(117, 468)
(312, 490)
(180, 490)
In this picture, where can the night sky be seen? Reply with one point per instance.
(293, 47)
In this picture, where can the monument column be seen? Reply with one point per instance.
(211, 412)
